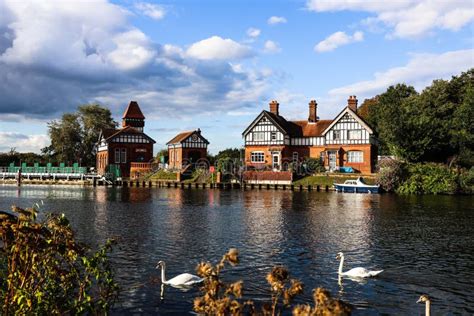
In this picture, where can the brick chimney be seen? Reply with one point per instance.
(274, 107)
(313, 108)
(352, 103)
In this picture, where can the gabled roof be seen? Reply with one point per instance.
(286, 127)
(354, 115)
(133, 111)
(309, 129)
(181, 137)
(110, 133)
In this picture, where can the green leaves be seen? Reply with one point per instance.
(44, 270)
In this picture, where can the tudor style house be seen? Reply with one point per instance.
(346, 141)
(126, 148)
(186, 148)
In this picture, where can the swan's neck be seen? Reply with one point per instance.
(341, 263)
(428, 308)
(163, 277)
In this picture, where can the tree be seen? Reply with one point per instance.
(74, 136)
(463, 130)
(93, 119)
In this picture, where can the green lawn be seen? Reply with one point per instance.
(329, 180)
(163, 175)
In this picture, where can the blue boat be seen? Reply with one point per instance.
(356, 186)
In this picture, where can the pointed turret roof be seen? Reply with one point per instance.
(133, 111)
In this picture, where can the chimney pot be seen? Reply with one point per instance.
(274, 107)
(352, 103)
(313, 108)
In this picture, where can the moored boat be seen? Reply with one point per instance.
(356, 186)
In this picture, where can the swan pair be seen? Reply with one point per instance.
(355, 272)
(182, 280)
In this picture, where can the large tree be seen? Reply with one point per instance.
(73, 136)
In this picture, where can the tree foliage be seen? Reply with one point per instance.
(435, 125)
(74, 136)
(45, 271)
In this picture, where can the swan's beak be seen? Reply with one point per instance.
(338, 257)
(419, 300)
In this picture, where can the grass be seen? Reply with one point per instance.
(323, 179)
(163, 175)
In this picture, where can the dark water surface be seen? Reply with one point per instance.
(425, 244)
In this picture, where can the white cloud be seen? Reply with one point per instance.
(336, 40)
(271, 47)
(22, 142)
(253, 32)
(420, 71)
(151, 10)
(133, 50)
(55, 55)
(216, 47)
(276, 20)
(406, 18)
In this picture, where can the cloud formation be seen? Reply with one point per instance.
(56, 55)
(154, 11)
(271, 47)
(273, 20)
(336, 40)
(406, 18)
(419, 72)
(216, 47)
(253, 32)
(22, 142)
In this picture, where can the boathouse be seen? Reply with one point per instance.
(273, 143)
(127, 149)
(186, 148)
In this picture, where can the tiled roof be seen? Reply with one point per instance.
(313, 129)
(133, 111)
(180, 137)
(111, 133)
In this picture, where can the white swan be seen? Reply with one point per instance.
(355, 272)
(425, 299)
(184, 279)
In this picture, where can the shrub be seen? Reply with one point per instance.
(466, 180)
(429, 178)
(44, 270)
(220, 298)
(313, 165)
(391, 174)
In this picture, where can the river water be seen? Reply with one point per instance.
(425, 244)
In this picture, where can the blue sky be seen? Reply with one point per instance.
(216, 64)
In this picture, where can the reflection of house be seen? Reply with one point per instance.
(125, 146)
(271, 140)
(186, 148)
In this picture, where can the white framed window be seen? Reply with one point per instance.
(123, 155)
(117, 155)
(273, 136)
(354, 134)
(336, 135)
(295, 156)
(257, 156)
(355, 156)
(258, 136)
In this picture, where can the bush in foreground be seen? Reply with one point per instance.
(45, 271)
(220, 298)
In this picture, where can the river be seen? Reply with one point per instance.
(425, 244)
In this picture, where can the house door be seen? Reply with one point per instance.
(332, 160)
(276, 160)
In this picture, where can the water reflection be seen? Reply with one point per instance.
(424, 244)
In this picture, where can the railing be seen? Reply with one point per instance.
(57, 170)
(141, 165)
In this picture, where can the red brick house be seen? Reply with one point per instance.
(273, 142)
(185, 148)
(126, 146)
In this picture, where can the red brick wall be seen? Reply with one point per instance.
(133, 155)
